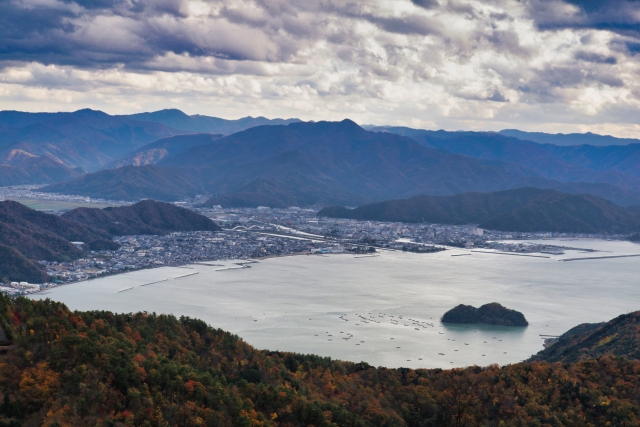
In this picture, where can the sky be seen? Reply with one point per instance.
(549, 66)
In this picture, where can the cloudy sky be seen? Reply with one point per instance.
(551, 65)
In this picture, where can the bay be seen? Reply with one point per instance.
(383, 309)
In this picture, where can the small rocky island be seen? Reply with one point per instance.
(489, 314)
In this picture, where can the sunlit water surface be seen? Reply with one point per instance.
(384, 310)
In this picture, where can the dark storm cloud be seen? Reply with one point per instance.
(104, 33)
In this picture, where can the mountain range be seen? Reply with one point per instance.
(569, 138)
(615, 165)
(197, 123)
(287, 162)
(523, 210)
(319, 163)
(68, 144)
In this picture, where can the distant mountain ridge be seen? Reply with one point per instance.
(62, 146)
(85, 138)
(197, 123)
(523, 210)
(569, 139)
(618, 166)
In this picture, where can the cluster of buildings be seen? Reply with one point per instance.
(264, 232)
(19, 288)
(138, 252)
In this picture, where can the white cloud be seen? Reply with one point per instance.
(459, 64)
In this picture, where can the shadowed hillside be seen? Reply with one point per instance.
(27, 235)
(617, 166)
(523, 209)
(129, 183)
(15, 266)
(41, 236)
(145, 217)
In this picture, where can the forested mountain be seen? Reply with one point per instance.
(86, 138)
(570, 138)
(24, 168)
(41, 236)
(615, 165)
(154, 152)
(145, 217)
(15, 266)
(340, 157)
(523, 209)
(314, 164)
(130, 183)
(27, 235)
(100, 369)
(619, 337)
(197, 123)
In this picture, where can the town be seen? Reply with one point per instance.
(256, 233)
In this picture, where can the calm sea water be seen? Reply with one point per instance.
(384, 310)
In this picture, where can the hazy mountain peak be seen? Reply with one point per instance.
(88, 112)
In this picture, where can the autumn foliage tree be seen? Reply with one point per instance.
(104, 369)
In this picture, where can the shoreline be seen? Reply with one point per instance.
(42, 292)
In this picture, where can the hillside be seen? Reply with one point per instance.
(16, 267)
(86, 138)
(129, 183)
(340, 160)
(617, 337)
(176, 119)
(145, 217)
(523, 209)
(154, 152)
(100, 368)
(24, 168)
(41, 236)
(618, 166)
(27, 235)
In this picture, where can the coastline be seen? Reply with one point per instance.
(249, 260)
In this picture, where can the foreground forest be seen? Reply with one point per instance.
(103, 369)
